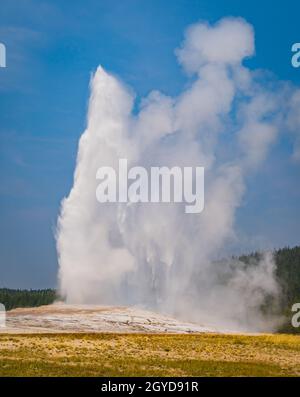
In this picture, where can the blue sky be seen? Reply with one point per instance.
(52, 48)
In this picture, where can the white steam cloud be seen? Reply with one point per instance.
(156, 255)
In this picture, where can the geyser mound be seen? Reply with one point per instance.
(60, 317)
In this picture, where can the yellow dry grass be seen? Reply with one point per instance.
(149, 355)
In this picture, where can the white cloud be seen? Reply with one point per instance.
(227, 42)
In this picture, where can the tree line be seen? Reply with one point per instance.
(13, 298)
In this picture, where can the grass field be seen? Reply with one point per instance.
(149, 355)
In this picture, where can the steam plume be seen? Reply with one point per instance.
(155, 254)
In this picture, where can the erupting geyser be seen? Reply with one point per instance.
(155, 254)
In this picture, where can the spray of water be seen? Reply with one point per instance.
(156, 255)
